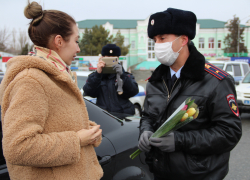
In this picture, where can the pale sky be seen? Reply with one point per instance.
(11, 11)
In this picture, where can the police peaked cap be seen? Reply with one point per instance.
(111, 50)
(172, 21)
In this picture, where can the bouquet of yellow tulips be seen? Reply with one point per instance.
(184, 114)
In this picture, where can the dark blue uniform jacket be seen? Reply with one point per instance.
(103, 87)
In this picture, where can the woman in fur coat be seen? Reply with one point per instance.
(47, 133)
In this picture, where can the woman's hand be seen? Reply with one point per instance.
(96, 139)
(89, 136)
(101, 64)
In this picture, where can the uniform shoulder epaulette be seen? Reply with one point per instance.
(215, 71)
(147, 78)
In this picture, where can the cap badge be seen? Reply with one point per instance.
(110, 51)
(152, 22)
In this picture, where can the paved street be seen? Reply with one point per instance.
(239, 166)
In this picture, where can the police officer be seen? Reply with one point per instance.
(199, 150)
(105, 86)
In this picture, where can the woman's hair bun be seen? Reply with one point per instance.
(33, 10)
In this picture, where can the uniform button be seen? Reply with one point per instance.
(156, 160)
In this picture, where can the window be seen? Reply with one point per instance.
(201, 43)
(247, 78)
(151, 44)
(245, 68)
(219, 44)
(237, 71)
(151, 52)
(229, 68)
(133, 44)
(153, 55)
(211, 43)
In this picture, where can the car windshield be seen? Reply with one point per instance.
(246, 79)
(81, 80)
(219, 65)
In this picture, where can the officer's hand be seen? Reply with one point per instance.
(101, 64)
(144, 141)
(118, 69)
(165, 143)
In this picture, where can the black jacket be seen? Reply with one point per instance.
(103, 87)
(203, 146)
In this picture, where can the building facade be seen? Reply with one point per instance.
(210, 35)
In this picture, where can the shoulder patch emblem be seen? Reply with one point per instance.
(215, 71)
(232, 104)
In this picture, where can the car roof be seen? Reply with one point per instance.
(231, 62)
(83, 73)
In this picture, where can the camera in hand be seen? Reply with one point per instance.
(110, 62)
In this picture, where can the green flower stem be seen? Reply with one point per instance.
(136, 153)
(173, 122)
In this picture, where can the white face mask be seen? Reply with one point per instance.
(165, 53)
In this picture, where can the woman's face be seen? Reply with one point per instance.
(70, 48)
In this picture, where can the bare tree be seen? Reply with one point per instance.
(13, 46)
(23, 38)
(19, 42)
(4, 38)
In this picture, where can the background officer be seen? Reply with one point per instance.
(105, 86)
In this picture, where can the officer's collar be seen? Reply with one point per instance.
(192, 69)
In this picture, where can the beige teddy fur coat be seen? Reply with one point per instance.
(42, 109)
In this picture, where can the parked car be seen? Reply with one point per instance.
(235, 68)
(80, 65)
(137, 100)
(120, 139)
(243, 94)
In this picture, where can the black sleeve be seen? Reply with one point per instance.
(146, 122)
(130, 86)
(92, 86)
(225, 131)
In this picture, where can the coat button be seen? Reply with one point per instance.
(156, 160)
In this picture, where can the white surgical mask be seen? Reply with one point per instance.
(165, 53)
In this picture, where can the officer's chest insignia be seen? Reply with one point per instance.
(232, 104)
(215, 71)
